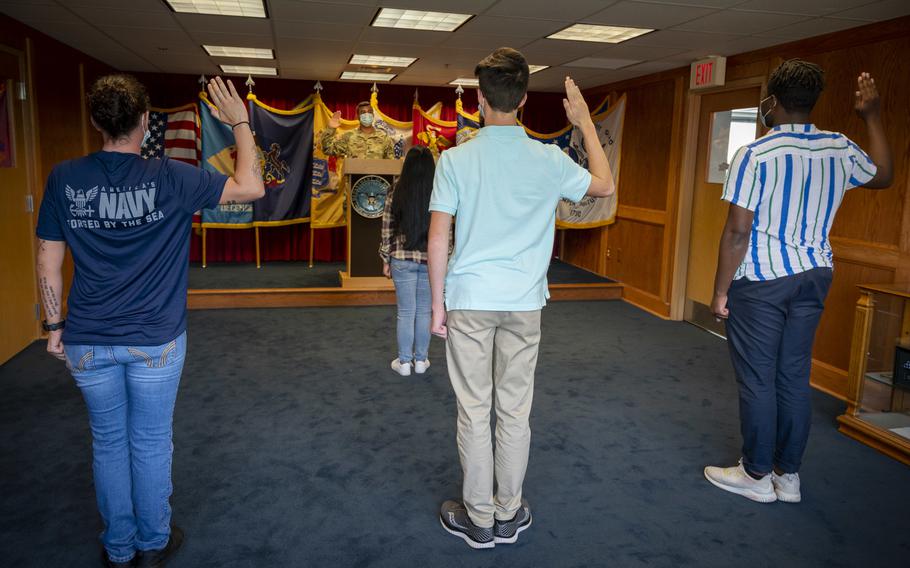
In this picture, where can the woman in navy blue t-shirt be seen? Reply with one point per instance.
(127, 221)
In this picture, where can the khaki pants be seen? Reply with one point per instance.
(487, 352)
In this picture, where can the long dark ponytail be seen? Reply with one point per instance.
(411, 198)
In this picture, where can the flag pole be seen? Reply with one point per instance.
(250, 83)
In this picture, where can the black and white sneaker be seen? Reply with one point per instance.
(506, 532)
(454, 518)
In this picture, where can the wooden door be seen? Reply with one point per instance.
(18, 291)
(723, 123)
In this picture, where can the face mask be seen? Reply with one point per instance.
(763, 117)
(480, 110)
(366, 119)
(145, 138)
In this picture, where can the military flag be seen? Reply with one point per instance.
(218, 155)
(285, 140)
(595, 212)
(431, 131)
(467, 124)
(401, 132)
(328, 198)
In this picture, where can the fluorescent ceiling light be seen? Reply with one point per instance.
(381, 60)
(248, 70)
(419, 20)
(247, 8)
(602, 34)
(359, 76)
(535, 68)
(466, 82)
(247, 52)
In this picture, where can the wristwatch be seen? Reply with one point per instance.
(53, 326)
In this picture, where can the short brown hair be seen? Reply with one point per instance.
(117, 102)
(362, 104)
(503, 78)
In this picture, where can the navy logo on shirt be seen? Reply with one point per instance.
(81, 205)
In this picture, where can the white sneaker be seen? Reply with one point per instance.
(403, 369)
(736, 480)
(786, 487)
(420, 367)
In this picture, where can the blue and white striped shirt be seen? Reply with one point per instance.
(793, 179)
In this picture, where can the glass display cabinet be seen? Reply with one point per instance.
(878, 383)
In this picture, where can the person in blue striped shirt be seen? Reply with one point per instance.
(775, 268)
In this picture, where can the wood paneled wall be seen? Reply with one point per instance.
(58, 78)
(871, 236)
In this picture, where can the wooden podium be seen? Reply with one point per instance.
(364, 267)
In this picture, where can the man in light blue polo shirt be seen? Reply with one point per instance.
(502, 188)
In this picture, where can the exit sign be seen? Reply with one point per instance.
(708, 72)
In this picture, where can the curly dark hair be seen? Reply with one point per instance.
(797, 84)
(117, 103)
(503, 77)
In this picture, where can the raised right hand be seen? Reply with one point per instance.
(576, 108)
(868, 103)
(231, 108)
(335, 121)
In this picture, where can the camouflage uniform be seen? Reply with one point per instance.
(356, 144)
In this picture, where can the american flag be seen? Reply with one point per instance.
(174, 134)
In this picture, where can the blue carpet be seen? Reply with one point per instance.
(296, 446)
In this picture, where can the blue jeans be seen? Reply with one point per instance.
(770, 333)
(412, 290)
(130, 392)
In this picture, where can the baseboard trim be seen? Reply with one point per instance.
(646, 301)
(829, 379)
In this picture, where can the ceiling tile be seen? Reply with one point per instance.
(232, 40)
(312, 30)
(682, 39)
(644, 53)
(811, 28)
(876, 11)
(162, 19)
(486, 42)
(600, 63)
(393, 49)
(731, 21)
(224, 24)
(574, 11)
(698, 3)
(808, 7)
(322, 12)
(317, 51)
(144, 5)
(557, 52)
(150, 40)
(29, 13)
(652, 67)
(460, 7)
(413, 37)
(512, 27)
(645, 15)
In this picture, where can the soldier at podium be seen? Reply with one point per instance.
(366, 141)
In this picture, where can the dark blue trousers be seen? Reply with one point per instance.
(770, 331)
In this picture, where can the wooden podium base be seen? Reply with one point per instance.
(365, 282)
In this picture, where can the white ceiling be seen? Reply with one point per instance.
(315, 39)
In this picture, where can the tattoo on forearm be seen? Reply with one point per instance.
(51, 304)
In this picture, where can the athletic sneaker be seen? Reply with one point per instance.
(455, 520)
(786, 487)
(736, 480)
(403, 369)
(506, 532)
(420, 367)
